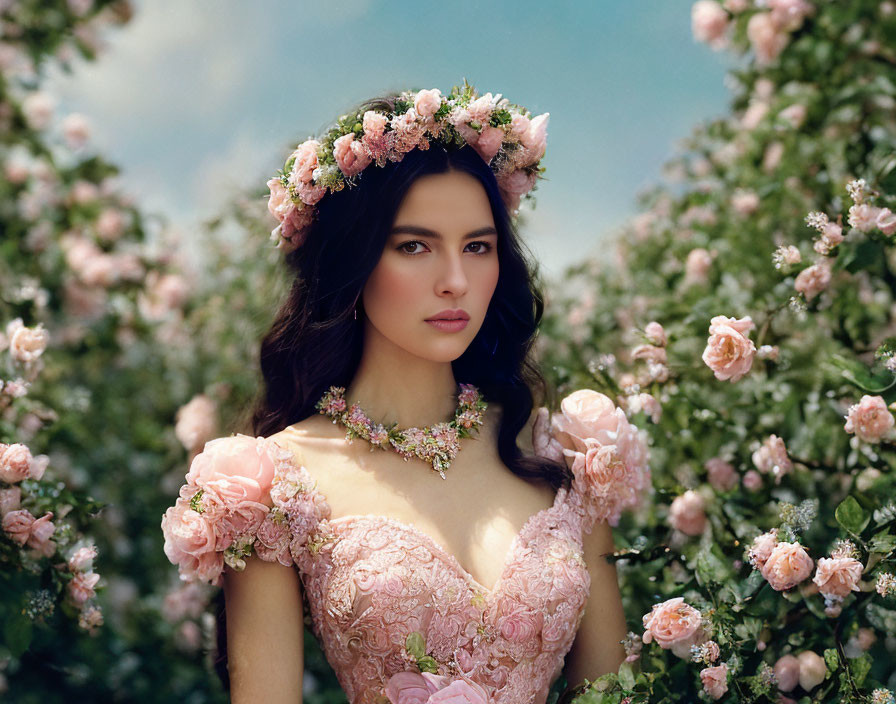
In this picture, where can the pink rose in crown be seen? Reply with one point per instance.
(351, 158)
(489, 142)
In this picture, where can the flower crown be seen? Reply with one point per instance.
(504, 134)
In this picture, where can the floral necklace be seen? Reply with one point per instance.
(437, 444)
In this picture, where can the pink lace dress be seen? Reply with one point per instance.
(396, 615)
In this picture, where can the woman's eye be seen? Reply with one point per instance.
(484, 247)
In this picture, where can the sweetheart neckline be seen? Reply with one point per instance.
(451, 558)
(410, 527)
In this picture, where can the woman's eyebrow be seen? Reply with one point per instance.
(426, 232)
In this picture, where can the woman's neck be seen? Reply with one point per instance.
(392, 385)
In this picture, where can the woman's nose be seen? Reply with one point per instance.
(452, 276)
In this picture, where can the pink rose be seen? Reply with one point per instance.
(41, 530)
(838, 576)
(428, 102)
(762, 547)
(82, 559)
(869, 419)
(744, 202)
(709, 22)
(886, 221)
(772, 458)
(17, 463)
(351, 158)
(715, 680)
(110, 224)
(241, 460)
(686, 513)
(814, 279)
(196, 422)
(305, 163)
(481, 109)
(863, 216)
(81, 588)
(651, 353)
(27, 344)
(674, 625)
(722, 475)
(17, 525)
(489, 142)
(787, 565)
(794, 114)
(752, 480)
(767, 38)
(535, 138)
(655, 333)
(279, 204)
(696, 266)
(374, 123)
(190, 542)
(605, 452)
(789, 14)
(729, 352)
(514, 185)
(787, 672)
(413, 687)
(460, 692)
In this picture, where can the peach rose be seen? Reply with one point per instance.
(655, 333)
(766, 37)
(729, 352)
(17, 525)
(696, 266)
(489, 142)
(305, 156)
(242, 461)
(687, 513)
(196, 422)
(709, 22)
(41, 531)
(838, 576)
(374, 123)
(772, 458)
(674, 625)
(81, 588)
(17, 463)
(787, 565)
(82, 559)
(428, 102)
(351, 158)
(863, 216)
(715, 680)
(27, 344)
(762, 547)
(886, 221)
(651, 353)
(279, 203)
(869, 419)
(814, 279)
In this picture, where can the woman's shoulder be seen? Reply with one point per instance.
(239, 497)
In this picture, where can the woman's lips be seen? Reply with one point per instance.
(449, 325)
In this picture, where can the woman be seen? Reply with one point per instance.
(425, 571)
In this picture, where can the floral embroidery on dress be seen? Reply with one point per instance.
(398, 618)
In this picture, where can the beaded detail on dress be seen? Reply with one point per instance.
(385, 598)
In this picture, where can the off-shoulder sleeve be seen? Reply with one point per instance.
(607, 455)
(237, 500)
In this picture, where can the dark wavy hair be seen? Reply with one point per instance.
(315, 340)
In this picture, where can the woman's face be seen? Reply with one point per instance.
(441, 254)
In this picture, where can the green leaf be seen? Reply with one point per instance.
(427, 664)
(831, 661)
(860, 668)
(858, 374)
(17, 632)
(626, 676)
(883, 543)
(415, 644)
(852, 516)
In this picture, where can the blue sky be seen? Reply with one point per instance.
(193, 99)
